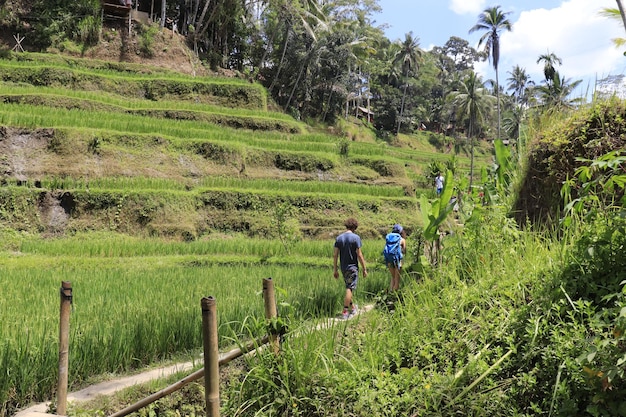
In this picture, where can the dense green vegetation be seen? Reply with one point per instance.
(138, 299)
(511, 323)
(317, 61)
(150, 189)
(177, 167)
(143, 207)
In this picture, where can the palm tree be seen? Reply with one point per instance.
(294, 18)
(549, 60)
(618, 14)
(622, 14)
(473, 101)
(492, 21)
(519, 82)
(554, 96)
(408, 57)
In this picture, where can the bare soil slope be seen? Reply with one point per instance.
(167, 49)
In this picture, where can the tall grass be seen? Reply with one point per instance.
(214, 182)
(126, 103)
(138, 301)
(114, 73)
(100, 122)
(448, 348)
(107, 245)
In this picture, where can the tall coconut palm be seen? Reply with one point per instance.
(622, 13)
(519, 82)
(492, 21)
(408, 58)
(549, 60)
(473, 101)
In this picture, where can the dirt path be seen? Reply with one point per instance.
(110, 387)
(115, 385)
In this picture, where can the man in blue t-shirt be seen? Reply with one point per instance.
(348, 250)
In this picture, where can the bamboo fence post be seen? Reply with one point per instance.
(224, 360)
(211, 357)
(64, 332)
(271, 313)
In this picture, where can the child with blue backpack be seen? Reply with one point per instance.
(395, 248)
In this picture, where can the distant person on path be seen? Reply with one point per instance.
(348, 250)
(395, 249)
(439, 183)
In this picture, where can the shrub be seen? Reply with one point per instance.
(385, 168)
(588, 134)
(146, 39)
(89, 30)
(305, 162)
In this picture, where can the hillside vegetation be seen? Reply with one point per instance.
(148, 197)
(149, 187)
(127, 180)
(101, 146)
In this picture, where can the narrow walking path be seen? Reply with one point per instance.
(118, 384)
(109, 387)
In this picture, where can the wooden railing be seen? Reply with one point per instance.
(212, 358)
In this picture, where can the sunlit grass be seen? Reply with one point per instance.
(214, 182)
(125, 103)
(97, 122)
(136, 301)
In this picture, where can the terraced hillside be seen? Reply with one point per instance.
(95, 145)
(106, 167)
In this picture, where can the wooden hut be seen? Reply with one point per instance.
(117, 9)
(129, 10)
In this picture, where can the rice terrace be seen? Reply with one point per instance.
(152, 166)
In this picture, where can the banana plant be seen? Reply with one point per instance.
(502, 172)
(433, 215)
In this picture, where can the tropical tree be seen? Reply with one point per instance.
(519, 83)
(549, 60)
(163, 11)
(408, 58)
(618, 14)
(622, 13)
(554, 96)
(473, 102)
(493, 21)
(461, 54)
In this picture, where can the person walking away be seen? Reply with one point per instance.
(394, 251)
(348, 250)
(439, 183)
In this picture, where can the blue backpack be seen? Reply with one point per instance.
(392, 251)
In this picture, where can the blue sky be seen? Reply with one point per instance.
(572, 29)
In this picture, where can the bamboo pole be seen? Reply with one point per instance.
(211, 357)
(64, 333)
(224, 359)
(270, 312)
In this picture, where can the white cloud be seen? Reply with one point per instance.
(574, 31)
(467, 6)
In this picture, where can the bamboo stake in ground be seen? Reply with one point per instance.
(271, 313)
(225, 359)
(64, 332)
(211, 357)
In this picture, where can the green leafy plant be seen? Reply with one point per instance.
(434, 215)
(146, 40)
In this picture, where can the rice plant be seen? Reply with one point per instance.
(138, 301)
